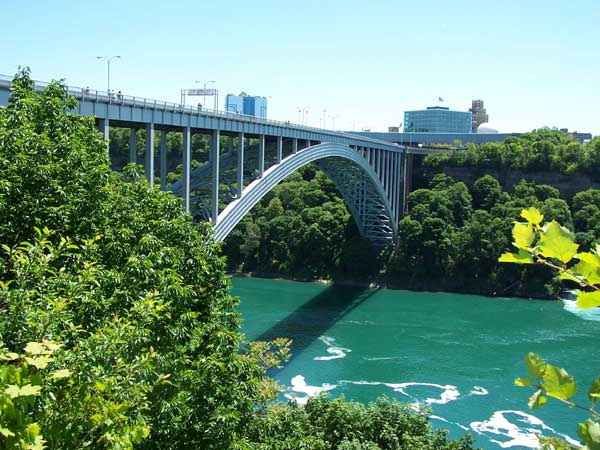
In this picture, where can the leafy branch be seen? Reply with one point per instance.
(554, 246)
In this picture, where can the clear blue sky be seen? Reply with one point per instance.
(534, 62)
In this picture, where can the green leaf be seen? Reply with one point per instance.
(60, 374)
(587, 300)
(523, 235)
(14, 391)
(532, 215)
(536, 366)
(523, 381)
(588, 266)
(537, 400)
(589, 432)
(6, 432)
(558, 383)
(10, 356)
(34, 348)
(28, 389)
(41, 362)
(557, 242)
(594, 392)
(523, 257)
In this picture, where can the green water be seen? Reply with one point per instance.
(460, 354)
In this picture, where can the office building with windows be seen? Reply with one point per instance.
(246, 104)
(438, 119)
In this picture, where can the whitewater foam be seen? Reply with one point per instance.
(450, 393)
(478, 390)
(334, 351)
(518, 436)
(299, 385)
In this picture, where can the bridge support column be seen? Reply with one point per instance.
(133, 145)
(187, 150)
(261, 156)
(214, 149)
(379, 154)
(388, 173)
(104, 128)
(279, 149)
(230, 145)
(294, 145)
(150, 153)
(395, 187)
(240, 165)
(393, 201)
(405, 179)
(384, 169)
(163, 160)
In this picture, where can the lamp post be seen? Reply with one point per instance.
(108, 59)
(333, 121)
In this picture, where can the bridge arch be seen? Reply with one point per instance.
(352, 175)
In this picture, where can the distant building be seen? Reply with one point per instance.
(246, 104)
(479, 114)
(393, 129)
(581, 137)
(438, 119)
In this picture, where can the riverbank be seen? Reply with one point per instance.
(381, 284)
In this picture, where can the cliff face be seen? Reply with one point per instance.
(568, 185)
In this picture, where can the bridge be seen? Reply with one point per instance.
(371, 174)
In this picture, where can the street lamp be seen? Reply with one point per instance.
(333, 121)
(108, 59)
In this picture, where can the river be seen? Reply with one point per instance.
(459, 354)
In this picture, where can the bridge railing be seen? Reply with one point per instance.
(117, 98)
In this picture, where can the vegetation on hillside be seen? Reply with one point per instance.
(541, 150)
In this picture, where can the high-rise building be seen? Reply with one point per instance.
(246, 104)
(479, 114)
(437, 119)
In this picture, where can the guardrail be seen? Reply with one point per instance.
(87, 94)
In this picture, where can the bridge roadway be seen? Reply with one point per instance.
(371, 174)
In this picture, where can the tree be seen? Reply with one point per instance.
(486, 192)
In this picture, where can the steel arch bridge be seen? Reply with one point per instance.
(365, 195)
(370, 181)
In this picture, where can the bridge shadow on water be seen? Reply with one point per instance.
(312, 320)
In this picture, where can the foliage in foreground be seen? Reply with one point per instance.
(115, 273)
(341, 425)
(117, 330)
(554, 246)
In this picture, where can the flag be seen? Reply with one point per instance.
(440, 99)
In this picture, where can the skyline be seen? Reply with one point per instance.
(366, 64)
